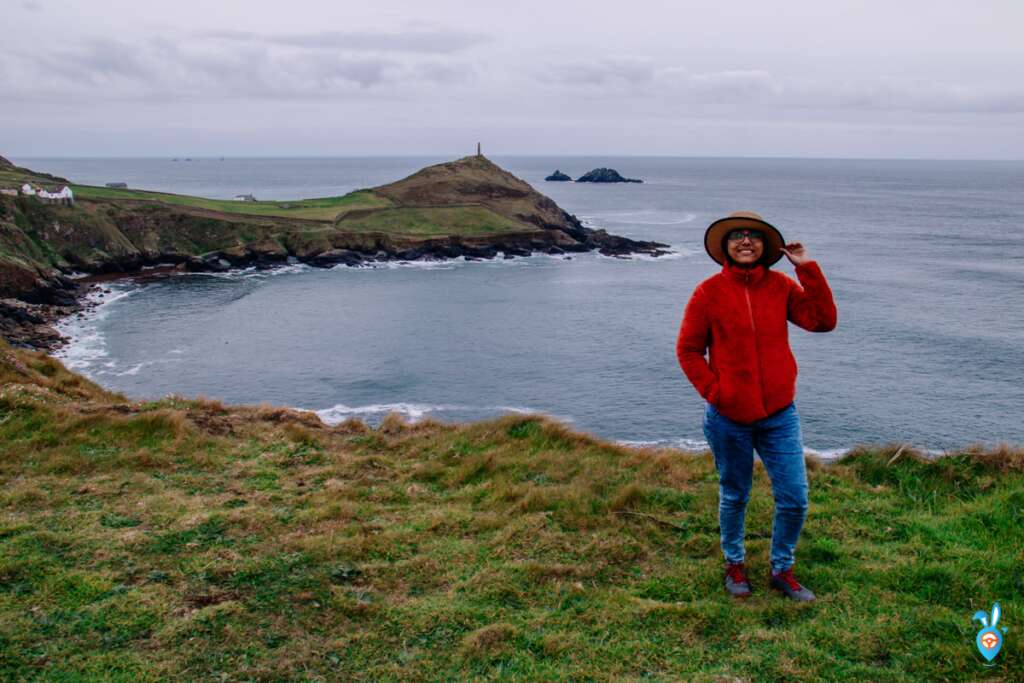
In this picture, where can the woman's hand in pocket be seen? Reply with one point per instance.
(714, 394)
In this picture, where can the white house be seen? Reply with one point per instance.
(65, 196)
(244, 198)
(27, 189)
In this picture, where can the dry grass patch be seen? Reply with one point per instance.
(490, 641)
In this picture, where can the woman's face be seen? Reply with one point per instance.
(745, 246)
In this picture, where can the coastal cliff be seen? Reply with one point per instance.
(184, 539)
(470, 208)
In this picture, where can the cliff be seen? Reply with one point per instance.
(470, 207)
(184, 539)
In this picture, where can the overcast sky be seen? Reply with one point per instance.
(805, 78)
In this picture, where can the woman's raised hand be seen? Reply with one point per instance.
(796, 253)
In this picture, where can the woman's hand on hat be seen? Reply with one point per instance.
(796, 253)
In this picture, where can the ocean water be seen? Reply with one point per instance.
(925, 258)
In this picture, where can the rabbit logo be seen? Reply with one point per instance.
(989, 639)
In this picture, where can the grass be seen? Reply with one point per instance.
(186, 540)
(323, 209)
(434, 221)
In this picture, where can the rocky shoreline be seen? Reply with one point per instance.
(29, 321)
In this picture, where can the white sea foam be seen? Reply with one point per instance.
(700, 445)
(425, 264)
(416, 411)
(680, 443)
(675, 252)
(533, 259)
(252, 272)
(87, 347)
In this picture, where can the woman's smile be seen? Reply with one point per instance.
(745, 252)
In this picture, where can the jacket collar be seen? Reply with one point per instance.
(744, 276)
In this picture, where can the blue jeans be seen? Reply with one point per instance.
(780, 446)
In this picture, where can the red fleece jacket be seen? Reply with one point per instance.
(739, 317)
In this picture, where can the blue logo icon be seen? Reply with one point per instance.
(989, 639)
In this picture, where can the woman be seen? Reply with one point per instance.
(739, 317)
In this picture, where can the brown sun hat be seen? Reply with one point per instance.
(773, 241)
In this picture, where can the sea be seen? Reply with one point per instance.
(925, 259)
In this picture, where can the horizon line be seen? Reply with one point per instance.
(569, 156)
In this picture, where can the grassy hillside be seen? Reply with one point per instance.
(434, 221)
(187, 540)
(456, 208)
(478, 197)
(323, 209)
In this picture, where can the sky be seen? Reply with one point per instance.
(797, 78)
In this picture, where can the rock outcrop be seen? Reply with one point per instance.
(558, 176)
(605, 175)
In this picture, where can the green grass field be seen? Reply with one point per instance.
(323, 209)
(362, 211)
(185, 540)
(434, 221)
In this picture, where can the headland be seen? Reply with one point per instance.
(469, 208)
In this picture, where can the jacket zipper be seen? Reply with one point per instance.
(753, 327)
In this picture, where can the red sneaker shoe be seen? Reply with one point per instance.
(785, 581)
(736, 582)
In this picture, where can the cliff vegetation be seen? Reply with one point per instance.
(183, 539)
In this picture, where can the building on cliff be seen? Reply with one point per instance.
(244, 198)
(64, 196)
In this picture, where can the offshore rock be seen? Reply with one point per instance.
(605, 175)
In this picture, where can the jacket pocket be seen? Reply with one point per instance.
(714, 394)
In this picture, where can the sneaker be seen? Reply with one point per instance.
(736, 582)
(790, 587)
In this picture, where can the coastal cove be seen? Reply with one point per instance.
(920, 355)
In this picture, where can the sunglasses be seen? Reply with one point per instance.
(738, 235)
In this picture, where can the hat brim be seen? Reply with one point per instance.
(773, 241)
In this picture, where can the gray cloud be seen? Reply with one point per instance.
(759, 88)
(911, 78)
(164, 69)
(756, 88)
(436, 41)
(601, 72)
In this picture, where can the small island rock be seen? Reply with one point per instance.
(558, 175)
(605, 175)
